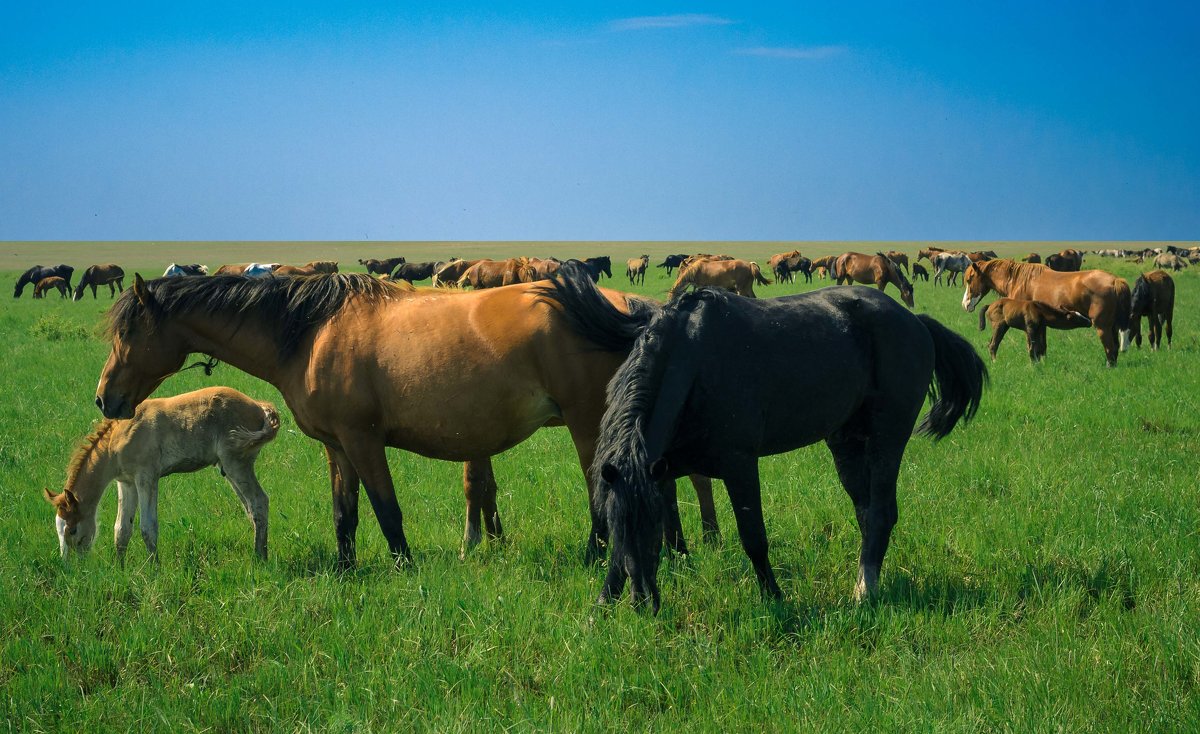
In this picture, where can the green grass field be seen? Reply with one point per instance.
(1044, 575)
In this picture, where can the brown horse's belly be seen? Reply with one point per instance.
(470, 430)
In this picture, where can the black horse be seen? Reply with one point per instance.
(671, 262)
(416, 271)
(785, 268)
(597, 266)
(381, 267)
(919, 272)
(37, 273)
(709, 387)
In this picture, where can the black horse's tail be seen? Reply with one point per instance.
(983, 316)
(959, 376)
(591, 314)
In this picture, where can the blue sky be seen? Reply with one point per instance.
(399, 121)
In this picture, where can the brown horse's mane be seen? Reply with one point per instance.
(293, 305)
(86, 448)
(1021, 275)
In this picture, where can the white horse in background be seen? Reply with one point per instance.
(950, 262)
(175, 270)
(214, 426)
(259, 270)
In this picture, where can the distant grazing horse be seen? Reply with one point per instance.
(450, 273)
(175, 270)
(928, 253)
(38, 273)
(323, 266)
(822, 265)
(283, 270)
(381, 267)
(635, 269)
(1154, 298)
(216, 426)
(260, 270)
(919, 272)
(1102, 297)
(509, 358)
(496, 273)
(598, 266)
(1032, 317)
(231, 269)
(1032, 257)
(710, 387)
(415, 271)
(738, 276)
(982, 255)
(780, 257)
(900, 258)
(671, 262)
(108, 274)
(1067, 261)
(1170, 261)
(877, 270)
(785, 268)
(952, 263)
(545, 268)
(53, 282)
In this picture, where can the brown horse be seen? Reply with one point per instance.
(822, 265)
(496, 273)
(1170, 261)
(447, 276)
(381, 267)
(108, 274)
(295, 270)
(510, 358)
(1067, 261)
(774, 260)
(545, 269)
(46, 284)
(635, 269)
(1102, 297)
(1032, 257)
(1154, 298)
(323, 266)
(900, 258)
(927, 253)
(232, 269)
(738, 276)
(877, 270)
(1032, 317)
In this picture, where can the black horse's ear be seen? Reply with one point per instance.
(140, 290)
(658, 469)
(609, 473)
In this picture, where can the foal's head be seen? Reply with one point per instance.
(76, 527)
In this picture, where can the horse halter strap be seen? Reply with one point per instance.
(208, 365)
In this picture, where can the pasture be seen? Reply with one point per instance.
(1044, 573)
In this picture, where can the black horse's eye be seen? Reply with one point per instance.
(73, 530)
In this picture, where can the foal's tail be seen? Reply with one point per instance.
(983, 316)
(959, 377)
(591, 314)
(247, 441)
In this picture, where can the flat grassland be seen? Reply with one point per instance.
(1044, 575)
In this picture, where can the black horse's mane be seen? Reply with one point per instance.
(1140, 296)
(294, 305)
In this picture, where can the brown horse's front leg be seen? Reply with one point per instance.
(366, 453)
(479, 490)
(344, 483)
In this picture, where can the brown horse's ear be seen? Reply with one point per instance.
(140, 290)
(50, 496)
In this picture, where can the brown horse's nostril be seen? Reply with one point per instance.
(100, 403)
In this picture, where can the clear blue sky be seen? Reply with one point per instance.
(550, 120)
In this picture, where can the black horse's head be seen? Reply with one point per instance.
(629, 498)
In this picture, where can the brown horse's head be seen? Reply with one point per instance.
(142, 355)
(977, 286)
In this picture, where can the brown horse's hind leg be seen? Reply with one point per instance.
(1108, 340)
(479, 490)
(344, 482)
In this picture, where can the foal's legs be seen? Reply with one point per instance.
(127, 497)
(479, 489)
(746, 495)
(343, 480)
(147, 497)
(999, 329)
(365, 452)
(240, 473)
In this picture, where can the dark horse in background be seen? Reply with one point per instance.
(511, 360)
(38, 273)
(109, 274)
(1154, 298)
(597, 266)
(670, 262)
(710, 387)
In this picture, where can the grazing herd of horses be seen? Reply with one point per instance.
(700, 386)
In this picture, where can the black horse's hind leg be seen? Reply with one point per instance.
(479, 489)
(708, 510)
(746, 495)
(344, 483)
(672, 525)
(850, 459)
(868, 469)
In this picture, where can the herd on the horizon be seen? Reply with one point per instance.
(631, 406)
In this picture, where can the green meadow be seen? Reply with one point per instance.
(1044, 574)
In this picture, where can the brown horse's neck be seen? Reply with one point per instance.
(248, 345)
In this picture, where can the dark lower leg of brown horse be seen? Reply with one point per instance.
(1108, 340)
(999, 329)
(745, 493)
(366, 453)
(479, 489)
(1155, 329)
(1167, 322)
(672, 525)
(343, 481)
(708, 511)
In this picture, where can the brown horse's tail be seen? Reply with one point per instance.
(983, 316)
(758, 276)
(1124, 307)
(466, 276)
(959, 377)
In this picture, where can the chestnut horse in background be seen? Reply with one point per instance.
(108, 274)
(1102, 297)
(510, 358)
(822, 265)
(738, 276)
(496, 273)
(53, 282)
(1067, 261)
(1154, 298)
(1032, 317)
(877, 270)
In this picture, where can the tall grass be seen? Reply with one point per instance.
(1044, 575)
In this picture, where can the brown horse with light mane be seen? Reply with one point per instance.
(927, 253)
(496, 273)
(1032, 317)
(448, 275)
(295, 270)
(109, 274)
(53, 282)
(1102, 297)
(508, 355)
(877, 270)
(822, 265)
(900, 258)
(323, 266)
(738, 276)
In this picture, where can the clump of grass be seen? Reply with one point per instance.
(55, 328)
